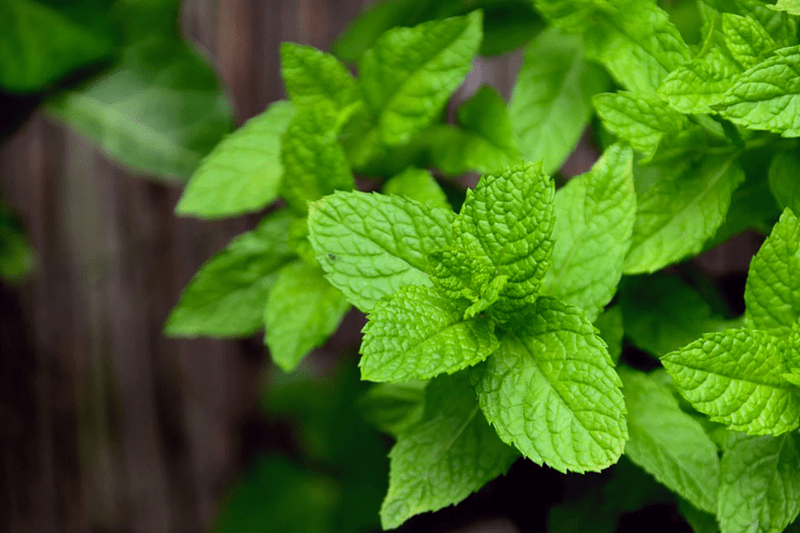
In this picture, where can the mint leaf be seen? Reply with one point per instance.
(668, 443)
(574, 16)
(735, 377)
(410, 72)
(302, 311)
(641, 120)
(700, 521)
(760, 489)
(243, 172)
(592, 233)
(508, 218)
(746, 39)
(449, 454)
(637, 44)
(314, 163)
(783, 182)
(406, 329)
(662, 313)
(772, 293)
(610, 326)
(778, 25)
(313, 77)
(417, 184)
(394, 407)
(789, 6)
(226, 297)
(44, 41)
(701, 83)
(551, 391)
(551, 102)
(682, 210)
(159, 110)
(484, 142)
(371, 245)
(767, 95)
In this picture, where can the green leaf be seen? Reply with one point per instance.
(594, 214)
(394, 407)
(662, 313)
(159, 110)
(242, 173)
(637, 44)
(302, 311)
(789, 6)
(313, 77)
(417, 334)
(463, 273)
(551, 391)
(551, 102)
(760, 488)
(410, 73)
(746, 39)
(508, 218)
(682, 210)
(44, 41)
(314, 163)
(701, 83)
(227, 295)
(735, 377)
(451, 453)
(484, 142)
(778, 25)
(610, 326)
(783, 180)
(371, 245)
(767, 95)
(16, 255)
(700, 521)
(772, 293)
(643, 121)
(668, 443)
(574, 16)
(417, 184)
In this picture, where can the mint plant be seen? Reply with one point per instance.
(507, 329)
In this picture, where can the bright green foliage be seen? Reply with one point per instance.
(314, 163)
(394, 407)
(243, 172)
(778, 25)
(668, 443)
(551, 391)
(417, 334)
(772, 293)
(484, 141)
(594, 222)
(357, 238)
(410, 72)
(303, 309)
(186, 111)
(417, 184)
(662, 313)
(313, 78)
(42, 41)
(450, 453)
(767, 95)
(16, 256)
(551, 102)
(682, 210)
(701, 83)
(736, 378)
(760, 488)
(226, 297)
(610, 326)
(746, 39)
(790, 6)
(784, 180)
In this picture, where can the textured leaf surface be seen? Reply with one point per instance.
(784, 180)
(302, 311)
(417, 334)
(226, 297)
(417, 184)
(160, 110)
(746, 39)
(410, 72)
(789, 6)
(551, 391)
(767, 96)
(780, 27)
(668, 443)
(451, 453)
(662, 314)
(243, 172)
(772, 293)
(592, 233)
(551, 102)
(760, 488)
(508, 218)
(371, 245)
(313, 77)
(701, 83)
(681, 211)
(314, 163)
(735, 377)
